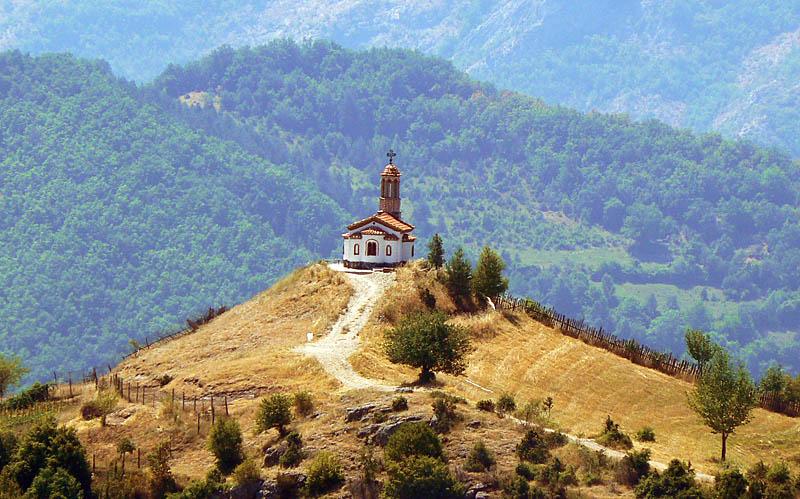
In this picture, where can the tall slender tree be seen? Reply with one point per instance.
(436, 252)
(488, 280)
(724, 396)
(459, 276)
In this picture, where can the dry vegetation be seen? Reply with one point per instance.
(246, 353)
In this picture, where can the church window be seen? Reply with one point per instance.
(372, 248)
(388, 250)
(356, 249)
(412, 251)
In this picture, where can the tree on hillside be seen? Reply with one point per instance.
(436, 252)
(11, 372)
(274, 412)
(225, 442)
(775, 381)
(724, 396)
(459, 276)
(700, 347)
(425, 340)
(488, 280)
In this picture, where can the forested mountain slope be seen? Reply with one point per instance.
(638, 227)
(117, 221)
(728, 66)
(124, 210)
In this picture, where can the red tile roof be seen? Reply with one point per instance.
(386, 219)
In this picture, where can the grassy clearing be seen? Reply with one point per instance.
(715, 300)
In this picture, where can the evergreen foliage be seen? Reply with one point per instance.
(677, 481)
(421, 476)
(225, 442)
(324, 473)
(488, 280)
(459, 277)
(479, 458)
(413, 439)
(723, 397)
(436, 252)
(425, 340)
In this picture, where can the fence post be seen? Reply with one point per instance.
(212, 410)
(226, 406)
(70, 384)
(183, 401)
(198, 423)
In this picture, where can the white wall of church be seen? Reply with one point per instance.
(380, 256)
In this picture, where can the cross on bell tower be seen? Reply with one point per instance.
(390, 187)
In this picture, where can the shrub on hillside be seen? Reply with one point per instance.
(324, 474)
(225, 442)
(444, 414)
(517, 487)
(303, 403)
(613, 437)
(37, 392)
(730, 483)
(506, 403)
(54, 483)
(413, 439)
(162, 481)
(676, 481)
(421, 476)
(533, 447)
(646, 434)
(632, 468)
(294, 451)
(479, 459)
(485, 405)
(399, 403)
(102, 405)
(246, 473)
(526, 470)
(274, 412)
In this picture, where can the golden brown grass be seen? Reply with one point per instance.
(518, 355)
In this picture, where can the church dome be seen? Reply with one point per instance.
(391, 169)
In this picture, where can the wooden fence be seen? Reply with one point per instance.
(191, 326)
(632, 350)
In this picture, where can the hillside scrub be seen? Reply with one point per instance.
(225, 443)
(274, 412)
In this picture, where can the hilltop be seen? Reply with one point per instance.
(250, 352)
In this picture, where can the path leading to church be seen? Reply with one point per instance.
(334, 349)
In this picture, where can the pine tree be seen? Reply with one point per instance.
(436, 252)
(488, 280)
(724, 396)
(459, 276)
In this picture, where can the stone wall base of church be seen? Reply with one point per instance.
(370, 265)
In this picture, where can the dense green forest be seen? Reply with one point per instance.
(124, 210)
(727, 66)
(117, 221)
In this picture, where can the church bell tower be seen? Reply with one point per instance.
(390, 188)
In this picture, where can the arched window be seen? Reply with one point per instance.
(372, 248)
(356, 249)
(388, 250)
(412, 251)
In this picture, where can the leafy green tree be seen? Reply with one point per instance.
(533, 447)
(436, 252)
(730, 484)
(11, 372)
(677, 481)
(125, 447)
(459, 276)
(723, 397)
(700, 347)
(225, 442)
(421, 476)
(47, 445)
(324, 473)
(425, 340)
(161, 480)
(55, 483)
(775, 381)
(413, 439)
(488, 280)
(274, 412)
(8, 445)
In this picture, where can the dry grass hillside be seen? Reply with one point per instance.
(517, 355)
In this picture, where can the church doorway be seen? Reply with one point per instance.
(372, 248)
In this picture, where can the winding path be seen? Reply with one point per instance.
(334, 349)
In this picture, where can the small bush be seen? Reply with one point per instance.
(506, 404)
(225, 442)
(444, 411)
(485, 405)
(646, 434)
(274, 413)
(533, 447)
(526, 470)
(324, 474)
(413, 439)
(164, 380)
(37, 392)
(103, 404)
(555, 439)
(294, 451)
(399, 403)
(303, 404)
(479, 459)
(676, 481)
(730, 483)
(591, 479)
(246, 473)
(516, 488)
(632, 468)
(421, 476)
(613, 437)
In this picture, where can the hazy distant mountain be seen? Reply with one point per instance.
(728, 66)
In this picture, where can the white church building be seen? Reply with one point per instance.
(383, 239)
